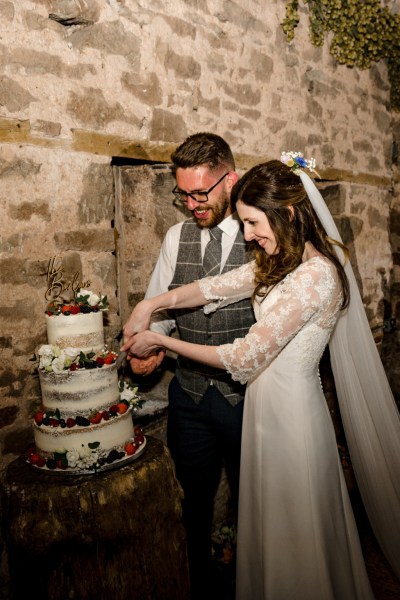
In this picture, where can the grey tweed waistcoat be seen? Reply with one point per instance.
(220, 327)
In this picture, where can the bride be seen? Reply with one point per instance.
(297, 537)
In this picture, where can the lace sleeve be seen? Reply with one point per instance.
(311, 292)
(228, 288)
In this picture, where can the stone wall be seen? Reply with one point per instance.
(82, 82)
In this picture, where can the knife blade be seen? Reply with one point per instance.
(120, 359)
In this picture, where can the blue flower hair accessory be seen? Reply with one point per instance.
(295, 161)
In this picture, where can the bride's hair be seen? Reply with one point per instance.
(273, 188)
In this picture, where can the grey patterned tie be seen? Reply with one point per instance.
(212, 254)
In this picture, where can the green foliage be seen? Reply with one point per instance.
(363, 32)
(291, 19)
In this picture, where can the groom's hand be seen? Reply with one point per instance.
(146, 366)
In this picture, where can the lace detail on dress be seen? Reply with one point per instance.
(228, 288)
(302, 308)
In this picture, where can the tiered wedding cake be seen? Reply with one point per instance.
(84, 424)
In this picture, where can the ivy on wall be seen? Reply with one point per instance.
(363, 32)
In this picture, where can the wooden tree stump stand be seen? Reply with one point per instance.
(114, 535)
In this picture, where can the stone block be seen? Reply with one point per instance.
(91, 108)
(13, 96)
(85, 241)
(47, 128)
(243, 93)
(262, 66)
(70, 9)
(5, 342)
(167, 126)
(17, 441)
(185, 67)
(148, 91)
(8, 415)
(292, 138)
(105, 270)
(376, 218)
(7, 11)
(334, 196)
(109, 38)
(96, 203)
(180, 27)
(19, 271)
(233, 13)
(17, 312)
(7, 377)
(26, 210)
(21, 167)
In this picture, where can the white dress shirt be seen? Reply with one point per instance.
(165, 267)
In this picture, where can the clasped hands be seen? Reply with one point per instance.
(144, 354)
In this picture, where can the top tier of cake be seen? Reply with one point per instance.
(84, 331)
(78, 323)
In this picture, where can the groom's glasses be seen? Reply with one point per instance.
(181, 196)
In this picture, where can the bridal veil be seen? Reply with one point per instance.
(370, 417)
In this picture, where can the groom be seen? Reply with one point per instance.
(205, 405)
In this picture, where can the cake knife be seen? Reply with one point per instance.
(120, 358)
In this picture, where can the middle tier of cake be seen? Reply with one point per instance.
(80, 392)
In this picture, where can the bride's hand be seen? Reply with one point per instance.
(143, 344)
(138, 321)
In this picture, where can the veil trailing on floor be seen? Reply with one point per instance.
(370, 417)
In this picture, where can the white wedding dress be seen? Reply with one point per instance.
(297, 538)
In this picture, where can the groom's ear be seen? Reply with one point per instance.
(232, 178)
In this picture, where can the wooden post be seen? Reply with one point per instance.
(114, 535)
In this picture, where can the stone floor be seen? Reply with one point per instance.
(384, 583)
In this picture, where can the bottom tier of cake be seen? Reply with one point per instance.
(87, 449)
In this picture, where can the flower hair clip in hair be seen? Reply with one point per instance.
(295, 161)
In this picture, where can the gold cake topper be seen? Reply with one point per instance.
(57, 284)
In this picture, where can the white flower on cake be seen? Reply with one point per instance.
(84, 452)
(58, 365)
(94, 458)
(72, 353)
(46, 350)
(47, 355)
(92, 298)
(128, 393)
(45, 362)
(53, 358)
(72, 458)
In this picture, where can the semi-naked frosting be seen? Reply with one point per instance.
(111, 434)
(84, 331)
(80, 392)
(84, 423)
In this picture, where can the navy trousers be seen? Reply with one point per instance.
(202, 438)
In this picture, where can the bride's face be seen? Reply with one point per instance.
(257, 227)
